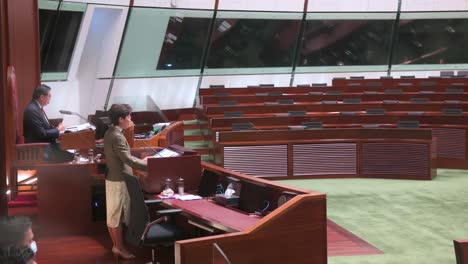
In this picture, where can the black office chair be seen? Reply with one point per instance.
(142, 232)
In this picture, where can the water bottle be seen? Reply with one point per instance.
(180, 186)
(168, 184)
(76, 158)
(91, 155)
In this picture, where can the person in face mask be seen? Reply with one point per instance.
(17, 232)
(17, 255)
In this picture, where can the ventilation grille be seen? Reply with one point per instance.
(395, 159)
(451, 143)
(323, 159)
(260, 161)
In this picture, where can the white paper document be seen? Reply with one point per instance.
(85, 126)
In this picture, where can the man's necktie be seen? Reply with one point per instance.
(45, 116)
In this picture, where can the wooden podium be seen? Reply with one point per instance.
(78, 140)
(187, 167)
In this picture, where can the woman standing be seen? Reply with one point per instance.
(119, 161)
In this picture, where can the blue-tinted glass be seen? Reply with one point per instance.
(183, 43)
(59, 30)
(432, 41)
(246, 43)
(345, 42)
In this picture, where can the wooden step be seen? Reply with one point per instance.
(197, 138)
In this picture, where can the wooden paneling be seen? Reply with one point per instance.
(261, 161)
(23, 37)
(398, 159)
(323, 159)
(4, 167)
(405, 152)
(64, 197)
(451, 143)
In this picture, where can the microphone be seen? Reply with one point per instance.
(66, 112)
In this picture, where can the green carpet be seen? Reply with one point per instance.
(410, 221)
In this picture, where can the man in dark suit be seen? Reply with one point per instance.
(37, 128)
(36, 125)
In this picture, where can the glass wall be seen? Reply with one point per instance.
(253, 40)
(340, 40)
(59, 24)
(178, 42)
(440, 39)
(163, 42)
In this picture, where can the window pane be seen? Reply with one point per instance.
(163, 42)
(345, 42)
(183, 43)
(59, 30)
(432, 41)
(253, 42)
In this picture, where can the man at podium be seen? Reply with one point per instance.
(119, 161)
(35, 122)
(37, 127)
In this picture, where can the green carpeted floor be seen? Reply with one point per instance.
(410, 221)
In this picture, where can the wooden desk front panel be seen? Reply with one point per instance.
(262, 161)
(324, 159)
(64, 197)
(293, 233)
(461, 250)
(396, 160)
(331, 152)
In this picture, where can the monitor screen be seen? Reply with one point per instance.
(253, 198)
(208, 183)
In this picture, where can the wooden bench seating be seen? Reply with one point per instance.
(210, 100)
(258, 110)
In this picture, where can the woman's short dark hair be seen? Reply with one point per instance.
(119, 111)
(16, 255)
(41, 90)
(13, 229)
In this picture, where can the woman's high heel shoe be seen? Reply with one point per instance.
(117, 253)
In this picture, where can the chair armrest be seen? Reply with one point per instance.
(167, 212)
(153, 201)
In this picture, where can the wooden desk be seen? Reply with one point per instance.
(451, 131)
(302, 220)
(259, 110)
(211, 100)
(78, 140)
(171, 135)
(214, 215)
(288, 154)
(407, 85)
(395, 81)
(461, 250)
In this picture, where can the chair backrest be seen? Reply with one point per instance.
(13, 87)
(447, 73)
(319, 84)
(139, 216)
(408, 124)
(233, 113)
(352, 100)
(242, 126)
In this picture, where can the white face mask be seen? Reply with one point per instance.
(33, 247)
